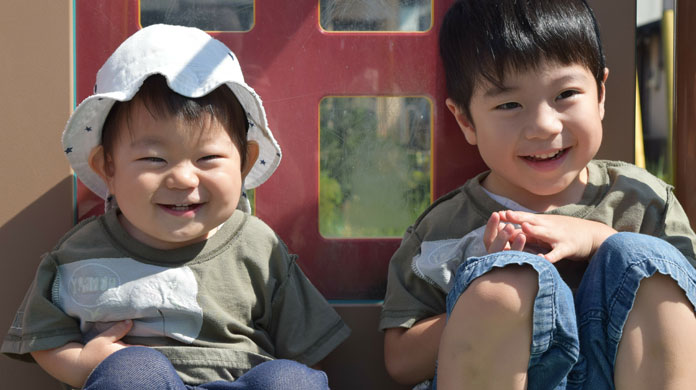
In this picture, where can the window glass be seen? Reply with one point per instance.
(374, 177)
(208, 15)
(375, 15)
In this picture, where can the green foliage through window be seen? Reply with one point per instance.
(374, 165)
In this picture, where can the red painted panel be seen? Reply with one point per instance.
(293, 64)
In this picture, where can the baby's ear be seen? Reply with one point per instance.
(252, 154)
(463, 121)
(98, 162)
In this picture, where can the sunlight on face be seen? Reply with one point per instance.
(538, 133)
(175, 182)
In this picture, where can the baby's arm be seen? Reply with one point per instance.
(410, 354)
(566, 237)
(73, 362)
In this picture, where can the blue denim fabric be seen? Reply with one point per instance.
(580, 354)
(145, 368)
(607, 292)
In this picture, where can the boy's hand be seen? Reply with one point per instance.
(500, 236)
(105, 343)
(567, 237)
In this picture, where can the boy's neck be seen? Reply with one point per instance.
(541, 203)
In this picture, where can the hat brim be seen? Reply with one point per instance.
(194, 64)
(83, 133)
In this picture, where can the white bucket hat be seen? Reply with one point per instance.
(194, 65)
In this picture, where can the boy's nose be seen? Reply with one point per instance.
(182, 176)
(545, 123)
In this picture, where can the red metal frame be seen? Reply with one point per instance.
(292, 63)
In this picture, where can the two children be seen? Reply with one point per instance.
(476, 293)
(173, 135)
(175, 286)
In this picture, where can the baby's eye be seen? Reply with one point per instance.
(210, 157)
(567, 94)
(508, 106)
(152, 159)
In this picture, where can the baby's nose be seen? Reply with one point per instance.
(182, 176)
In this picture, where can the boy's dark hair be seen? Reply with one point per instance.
(161, 101)
(486, 39)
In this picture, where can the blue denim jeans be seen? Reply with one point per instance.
(575, 339)
(145, 368)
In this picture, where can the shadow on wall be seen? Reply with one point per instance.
(23, 239)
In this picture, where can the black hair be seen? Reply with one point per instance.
(483, 40)
(160, 101)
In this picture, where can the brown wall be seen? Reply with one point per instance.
(36, 181)
(617, 24)
(685, 108)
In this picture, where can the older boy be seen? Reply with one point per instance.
(171, 137)
(526, 81)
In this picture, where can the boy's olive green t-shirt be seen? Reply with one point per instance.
(215, 308)
(618, 194)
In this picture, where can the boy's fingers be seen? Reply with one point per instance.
(491, 230)
(518, 242)
(540, 233)
(518, 216)
(118, 330)
(499, 241)
(503, 239)
(558, 253)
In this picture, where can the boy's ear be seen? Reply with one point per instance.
(603, 93)
(463, 121)
(252, 154)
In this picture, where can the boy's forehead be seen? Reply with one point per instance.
(490, 86)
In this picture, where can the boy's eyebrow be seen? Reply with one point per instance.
(493, 90)
(496, 90)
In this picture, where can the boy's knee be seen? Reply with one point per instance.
(625, 250)
(286, 375)
(504, 293)
(623, 243)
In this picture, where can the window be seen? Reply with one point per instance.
(374, 175)
(375, 15)
(209, 15)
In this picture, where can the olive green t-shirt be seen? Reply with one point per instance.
(618, 194)
(215, 308)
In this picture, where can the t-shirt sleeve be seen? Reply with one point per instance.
(304, 326)
(409, 298)
(39, 324)
(677, 229)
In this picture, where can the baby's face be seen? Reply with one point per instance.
(175, 182)
(538, 133)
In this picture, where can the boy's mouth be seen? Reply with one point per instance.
(546, 156)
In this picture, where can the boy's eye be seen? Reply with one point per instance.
(508, 106)
(567, 94)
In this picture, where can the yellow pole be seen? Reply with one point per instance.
(668, 45)
(639, 147)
